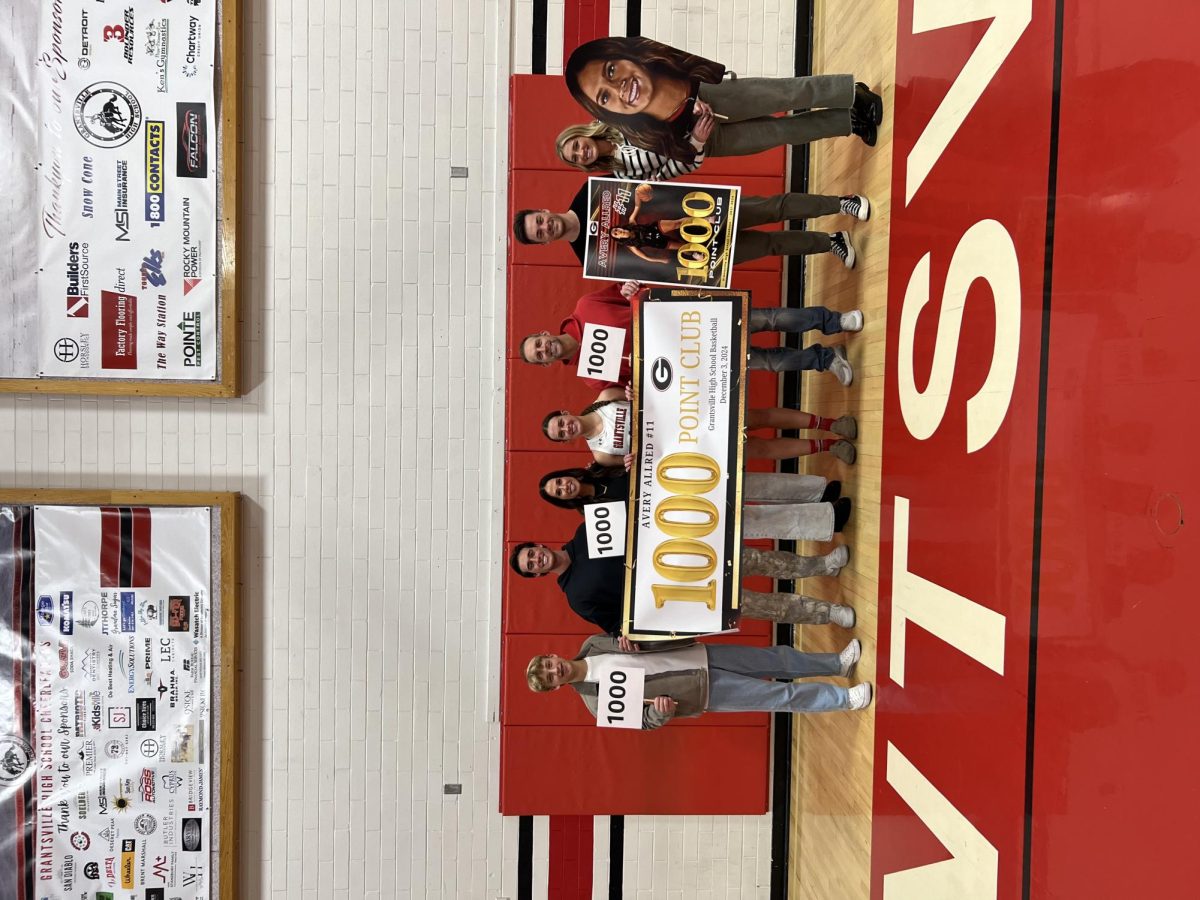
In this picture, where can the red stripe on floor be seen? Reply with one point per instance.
(571, 857)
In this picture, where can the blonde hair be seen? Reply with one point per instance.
(534, 676)
(595, 131)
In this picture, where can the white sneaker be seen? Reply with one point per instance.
(850, 656)
(840, 614)
(853, 320)
(860, 696)
(836, 559)
(841, 368)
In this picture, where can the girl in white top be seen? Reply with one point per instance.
(599, 148)
(606, 424)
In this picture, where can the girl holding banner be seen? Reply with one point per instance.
(605, 425)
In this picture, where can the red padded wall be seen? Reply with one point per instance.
(553, 759)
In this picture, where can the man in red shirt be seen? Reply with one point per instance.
(612, 306)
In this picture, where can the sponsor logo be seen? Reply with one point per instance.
(191, 252)
(46, 610)
(147, 718)
(147, 783)
(95, 710)
(156, 175)
(78, 280)
(145, 824)
(191, 154)
(183, 746)
(148, 615)
(191, 833)
(119, 716)
(128, 611)
(171, 781)
(122, 34)
(193, 352)
(121, 210)
(67, 351)
(92, 870)
(194, 878)
(118, 345)
(152, 269)
(89, 663)
(166, 653)
(128, 857)
(158, 34)
(104, 895)
(160, 869)
(16, 758)
(149, 748)
(66, 612)
(88, 615)
(102, 809)
(88, 757)
(81, 840)
(114, 749)
(107, 114)
(85, 41)
(67, 873)
(192, 56)
(179, 613)
(155, 894)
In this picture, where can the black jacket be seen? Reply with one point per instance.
(595, 588)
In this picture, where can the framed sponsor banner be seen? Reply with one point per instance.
(660, 232)
(684, 531)
(118, 694)
(118, 238)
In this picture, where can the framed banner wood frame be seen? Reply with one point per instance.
(226, 538)
(228, 382)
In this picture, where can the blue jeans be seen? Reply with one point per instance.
(784, 318)
(735, 682)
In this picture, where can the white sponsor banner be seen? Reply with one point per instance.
(122, 707)
(685, 525)
(127, 252)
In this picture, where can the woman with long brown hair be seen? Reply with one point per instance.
(675, 103)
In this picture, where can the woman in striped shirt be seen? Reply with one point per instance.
(598, 147)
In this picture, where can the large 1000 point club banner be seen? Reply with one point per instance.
(126, 170)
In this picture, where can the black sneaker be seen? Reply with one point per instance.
(864, 129)
(868, 104)
(833, 490)
(855, 205)
(841, 513)
(840, 246)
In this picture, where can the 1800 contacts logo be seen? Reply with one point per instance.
(107, 114)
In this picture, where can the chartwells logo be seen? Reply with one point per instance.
(190, 326)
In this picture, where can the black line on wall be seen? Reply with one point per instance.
(539, 36)
(616, 856)
(525, 858)
(633, 18)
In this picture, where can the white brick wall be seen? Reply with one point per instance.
(368, 448)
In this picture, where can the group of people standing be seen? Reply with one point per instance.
(658, 113)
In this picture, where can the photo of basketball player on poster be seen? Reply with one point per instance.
(674, 234)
